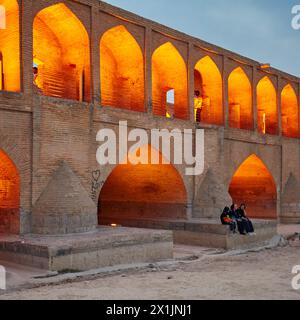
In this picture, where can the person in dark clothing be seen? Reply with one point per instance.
(35, 72)
(235, 215)
(227, 221)
(247, 222)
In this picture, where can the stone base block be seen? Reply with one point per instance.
(290, 219)
(103, 248)
(209, 233)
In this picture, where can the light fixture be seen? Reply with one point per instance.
(265, 66)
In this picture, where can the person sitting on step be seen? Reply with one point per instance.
(247, 222)
(235, 215)
(227, 221)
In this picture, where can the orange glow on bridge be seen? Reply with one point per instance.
(10, 48)
(143, 191)
(290, 112)
(9, 195)
(62, 55)
(122, 70)
(169, 72)
(240, 100)
(208, 81)
(266, 107)
(254, 185)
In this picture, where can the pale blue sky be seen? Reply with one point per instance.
(258, 29)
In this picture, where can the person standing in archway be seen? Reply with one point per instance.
(36, 85)
(198, 105)
(35, 72)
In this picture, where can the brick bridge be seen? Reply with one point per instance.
(97, 64)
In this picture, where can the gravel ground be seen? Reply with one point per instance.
(266, 274)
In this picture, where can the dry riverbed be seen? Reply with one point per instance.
(266, 274)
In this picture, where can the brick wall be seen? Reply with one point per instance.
(15, 143)
(37, 133)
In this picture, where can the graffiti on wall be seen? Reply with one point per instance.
(96, 183)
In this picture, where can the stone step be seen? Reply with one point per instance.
(205, 232)
(105, 247)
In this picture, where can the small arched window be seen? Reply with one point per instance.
(170, 101)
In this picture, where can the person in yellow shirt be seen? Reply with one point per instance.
(198, 105)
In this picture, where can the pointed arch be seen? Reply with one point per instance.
(240, 100)
(290, 112)
(169, 72)
(10, 47)
(122, 70)
(142, 191)
(61, 55)
(208, 81)
(9, 195)
(254, 185)
(267, 119)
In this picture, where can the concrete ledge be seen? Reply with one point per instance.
(103, 248)
(226, 241)
(290, 219)
(209, 233)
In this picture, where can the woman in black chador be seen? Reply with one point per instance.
(227, 220)
(248, 225)
(237, 217)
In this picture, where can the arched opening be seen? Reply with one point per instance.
(9, 196)
(142, 191)
(254, 185)
(170, 103)
(290, 112)
(61, 53)
(208, 92)
(266, 107)
(122, 70)
(169, 73)
(240, 100)
(9, 46)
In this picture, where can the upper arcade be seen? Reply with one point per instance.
(103, 55)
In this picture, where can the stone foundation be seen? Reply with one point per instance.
(103, 248)
(209, 233)
(218, 236)
(48, 142)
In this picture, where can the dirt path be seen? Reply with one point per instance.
(262, 275)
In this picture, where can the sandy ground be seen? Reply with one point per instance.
(257, 275)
